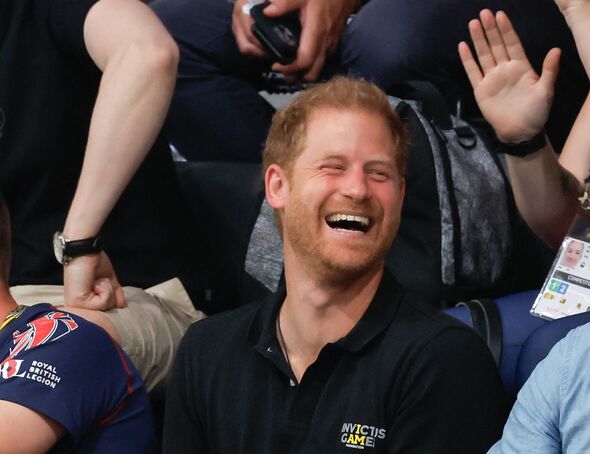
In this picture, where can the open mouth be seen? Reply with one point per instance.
(348, 222)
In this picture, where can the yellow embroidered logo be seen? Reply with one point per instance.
(360, 436)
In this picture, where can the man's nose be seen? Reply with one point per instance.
(355, 185)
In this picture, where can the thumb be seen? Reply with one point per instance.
(550, 69)
(119, 297)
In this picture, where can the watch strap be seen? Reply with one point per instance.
(86, 246)
(523, 149)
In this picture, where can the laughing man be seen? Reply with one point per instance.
(341, 358)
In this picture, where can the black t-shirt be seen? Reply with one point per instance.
(48, 86)
(405, 379)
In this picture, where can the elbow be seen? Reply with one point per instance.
(154, 62)
(162, 58)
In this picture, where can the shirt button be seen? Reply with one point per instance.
(292, 382)
(269, 350)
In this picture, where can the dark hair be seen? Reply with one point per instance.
(4, 240)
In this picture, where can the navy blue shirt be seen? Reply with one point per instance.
(72, 371)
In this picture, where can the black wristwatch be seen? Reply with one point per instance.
(65, 250)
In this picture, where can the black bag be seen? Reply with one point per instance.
(460, 235)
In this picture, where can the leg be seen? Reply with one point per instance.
(216, 112)
(149, 328)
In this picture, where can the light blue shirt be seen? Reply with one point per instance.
(552, 412)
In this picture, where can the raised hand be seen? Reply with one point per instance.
(510, 94)
(90, 282)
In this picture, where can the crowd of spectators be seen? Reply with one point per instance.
(94, 93)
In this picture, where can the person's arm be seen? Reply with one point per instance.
(452, 399)
(533, 424)
(138, 59)
(24, 431)
(577, 16)
(63, 378)
(575, 156)
(516, 102)
(322, 25)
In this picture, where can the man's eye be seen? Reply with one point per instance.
(333, 168)
(379, 175)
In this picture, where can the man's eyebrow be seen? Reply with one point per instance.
(386, 162)
(331, 157)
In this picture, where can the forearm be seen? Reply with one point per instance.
(138, 59)
(575, 156)
(578, 20)
(545, 194)
(29, 432)
(132, 102)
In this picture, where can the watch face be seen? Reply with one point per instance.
(58, 247)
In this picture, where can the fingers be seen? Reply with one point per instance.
(242, 28)
(314, 73)
(280, 7)
(469, 64)
(310, 54)
(494, 38)
(107, 294)
(495, 42)
(118, 294)
(308, 63)
(550, 69)
(105, 270)
(102, 297)
(90, 282)
(482, 49)
(511, 40)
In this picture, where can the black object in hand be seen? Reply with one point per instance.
(280, 35)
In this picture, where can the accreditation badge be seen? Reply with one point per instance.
(566, 290)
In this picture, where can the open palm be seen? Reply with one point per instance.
(510, 94)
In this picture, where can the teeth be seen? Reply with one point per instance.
(348, 217)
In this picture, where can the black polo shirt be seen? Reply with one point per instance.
(405, 379)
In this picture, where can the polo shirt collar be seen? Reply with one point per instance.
(378, 316)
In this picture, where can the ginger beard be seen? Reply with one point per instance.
(345, 196)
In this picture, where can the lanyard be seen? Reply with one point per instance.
(12, 315)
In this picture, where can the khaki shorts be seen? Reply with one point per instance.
(150, 326)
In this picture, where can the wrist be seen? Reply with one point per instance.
(524, 147)
(66, 249)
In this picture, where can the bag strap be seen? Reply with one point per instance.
(434, 107)
(486, 321)
(432, 103)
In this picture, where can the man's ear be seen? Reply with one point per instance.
(276, 186)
